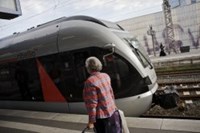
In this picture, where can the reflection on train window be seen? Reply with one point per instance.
(70, 73)
(4, 73)
(16, 82)
(67, 71)
(27, 79)
(6, 82)
(54, 67)
(124, 77)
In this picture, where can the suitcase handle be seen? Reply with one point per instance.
(84, 130)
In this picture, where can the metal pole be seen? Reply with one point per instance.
(169, 26)
(151, 32)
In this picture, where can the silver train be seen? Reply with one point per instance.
(43, 67)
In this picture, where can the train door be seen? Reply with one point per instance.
(75, 74)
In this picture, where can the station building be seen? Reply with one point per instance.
(186, 24)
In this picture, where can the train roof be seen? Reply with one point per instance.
(35, 37)
(104, 23)
(85, 18)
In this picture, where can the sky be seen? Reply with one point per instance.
(35, 12)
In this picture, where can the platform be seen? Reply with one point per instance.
(20, 121)
(195, 54)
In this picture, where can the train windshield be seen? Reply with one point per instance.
(139, 51)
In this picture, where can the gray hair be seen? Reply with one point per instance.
(93, 64)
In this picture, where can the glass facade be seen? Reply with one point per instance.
(183, 2)
(193, 1)
(186, 23)
(176, 3)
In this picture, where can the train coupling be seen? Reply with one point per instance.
(166, 98)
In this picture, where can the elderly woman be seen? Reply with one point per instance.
(99, 99)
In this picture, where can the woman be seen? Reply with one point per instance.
(99, 99)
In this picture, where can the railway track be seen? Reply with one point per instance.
(185, 78)
(182, 72)
(187, 85)
(186, 92)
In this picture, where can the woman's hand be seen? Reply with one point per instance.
(90, 125)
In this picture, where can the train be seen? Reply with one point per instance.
(43, 68)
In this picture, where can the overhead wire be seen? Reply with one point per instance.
(89, 8)
(32, 16)
(58, 5)
(136, 12)
(51, 8)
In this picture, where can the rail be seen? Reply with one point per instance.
(187, 84)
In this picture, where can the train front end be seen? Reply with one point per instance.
(133, 75)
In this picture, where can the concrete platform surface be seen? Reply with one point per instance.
(175, 57)
(21, 121)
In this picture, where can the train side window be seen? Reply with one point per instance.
(27, 78)
(12, 82)
(6, 83)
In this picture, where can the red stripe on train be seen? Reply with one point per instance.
(50, 91)
(8, 60)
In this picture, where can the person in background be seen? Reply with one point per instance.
(162, 51)
(99, 99)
